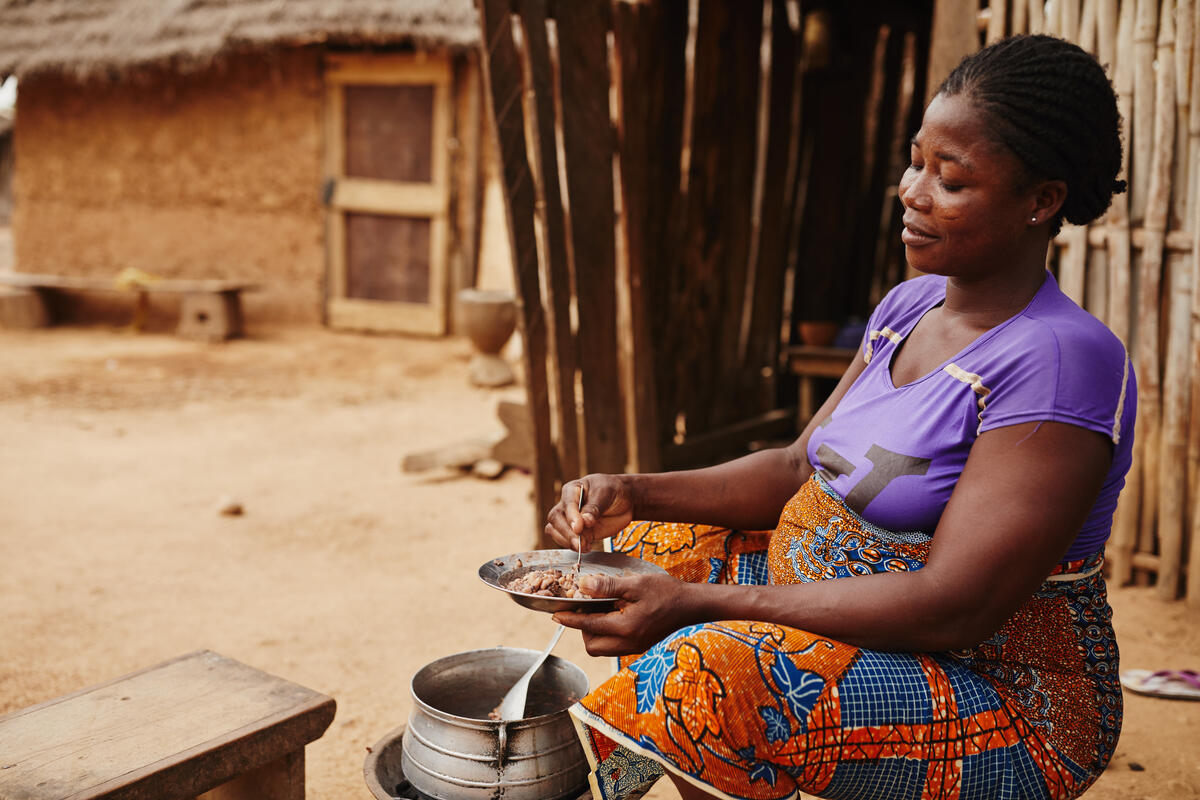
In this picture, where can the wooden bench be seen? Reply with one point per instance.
(201, 725)
(210, 310)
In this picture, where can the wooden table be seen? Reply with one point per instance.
(809, 363)
(200, 724)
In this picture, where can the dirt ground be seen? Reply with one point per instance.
(344, 574)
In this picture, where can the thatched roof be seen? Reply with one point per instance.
(88, 37)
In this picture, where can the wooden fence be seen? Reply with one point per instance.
(655, 175)
(1135, 268)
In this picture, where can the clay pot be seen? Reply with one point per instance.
(488, 319)
(818, 333)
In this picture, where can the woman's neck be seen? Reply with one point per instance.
(985, 302)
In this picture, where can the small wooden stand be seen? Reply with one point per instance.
(809, 362)
(201, 725)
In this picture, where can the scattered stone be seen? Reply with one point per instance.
(488, 468)
(229, 506)
(1136, 767)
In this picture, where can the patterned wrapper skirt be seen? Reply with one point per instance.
(756, 710)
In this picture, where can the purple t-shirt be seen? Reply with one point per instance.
(895, 453)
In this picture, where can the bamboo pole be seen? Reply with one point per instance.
(1096, 292)
(1106, 33)
(1086, 38)
(1068, 19)
(1124, 530)
(1193, 580)
(1184, 42)
(1150, 304)
(1037, 17)
(997, 20)
(1145, 28)
(1020, 17)
(1052, 19)
(1072, 263)
(1173, 446)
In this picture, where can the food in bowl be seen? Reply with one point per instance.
(547, 583)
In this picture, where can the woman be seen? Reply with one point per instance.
(962, 479)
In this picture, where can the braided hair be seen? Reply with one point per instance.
(1050, 103)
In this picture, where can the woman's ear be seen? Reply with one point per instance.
(1048, 197)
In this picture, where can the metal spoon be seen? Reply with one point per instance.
(513, 704)
(579, 557)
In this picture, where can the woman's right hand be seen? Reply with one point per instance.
(607, 509)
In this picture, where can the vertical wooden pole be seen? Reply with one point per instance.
(1193, 218)
(502, 74)
(997, 20)
(955, 35)
(1125, 521)
(1150, 307)
(549, 211)
(651, 41)
(589, 146)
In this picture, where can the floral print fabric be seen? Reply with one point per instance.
(760, 711)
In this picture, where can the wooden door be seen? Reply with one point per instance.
(387, 120)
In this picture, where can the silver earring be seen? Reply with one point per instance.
(1033, 220)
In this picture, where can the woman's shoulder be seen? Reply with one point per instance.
(1055, 324)
(913, 296)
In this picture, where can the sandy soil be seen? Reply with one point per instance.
(344, 574)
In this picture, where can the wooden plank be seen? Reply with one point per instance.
(542, 143)
(710, 276)
(589, 145)
(502, 78)
(439, 244)
(170, 731)
(466, 188)
(759, 342)
(388, 68)
(389, 197)
(651, 42)
(335, 165)
(357, 314)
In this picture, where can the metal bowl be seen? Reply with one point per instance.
(499, 572)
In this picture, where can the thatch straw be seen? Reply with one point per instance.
(104, 36)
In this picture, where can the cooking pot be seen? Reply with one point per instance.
(453, 751)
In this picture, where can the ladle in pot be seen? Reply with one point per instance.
(513, 705)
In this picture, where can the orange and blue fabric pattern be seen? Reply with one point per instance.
(758, 711)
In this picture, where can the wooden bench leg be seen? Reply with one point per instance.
(23, 308)
(282, 779)
(210, 316)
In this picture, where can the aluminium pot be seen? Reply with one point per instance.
(452, 751)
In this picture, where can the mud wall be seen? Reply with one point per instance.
(210, 174)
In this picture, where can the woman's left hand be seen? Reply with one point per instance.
(648, 608)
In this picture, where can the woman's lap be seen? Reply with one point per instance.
(754, 710)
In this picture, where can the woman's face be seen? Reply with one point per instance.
(964, 212)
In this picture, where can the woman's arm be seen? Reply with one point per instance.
(1023, 496)
(745, 494)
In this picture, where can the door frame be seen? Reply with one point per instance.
(398, 198)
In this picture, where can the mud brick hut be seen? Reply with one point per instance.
(326, 150)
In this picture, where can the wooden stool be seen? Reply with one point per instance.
(198, 725)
